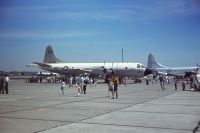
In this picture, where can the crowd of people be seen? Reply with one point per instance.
(41, 78)
(80, 82)
(192, 81)
(83, 80)
(179, 82)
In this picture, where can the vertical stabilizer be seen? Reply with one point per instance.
(49, 56)
(152, 63)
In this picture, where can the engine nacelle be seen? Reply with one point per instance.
(65, 68)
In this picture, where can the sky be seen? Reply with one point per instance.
(98, 30)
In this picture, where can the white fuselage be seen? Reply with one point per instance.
(122, 69)
(177, 71)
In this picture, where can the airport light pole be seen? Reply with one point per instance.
(122, 55)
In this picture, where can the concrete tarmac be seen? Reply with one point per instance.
(40, 108)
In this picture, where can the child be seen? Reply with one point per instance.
(62, 87)
(79, 85)
(110, 88)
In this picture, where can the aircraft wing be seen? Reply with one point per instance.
(75, 71)
(188, 74)
(184, 74)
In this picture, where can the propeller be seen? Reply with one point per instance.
(65, 68)
(107, 71)
(104, 69)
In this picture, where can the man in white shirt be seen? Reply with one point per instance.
(6, 84)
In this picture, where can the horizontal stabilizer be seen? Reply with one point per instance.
(41, 64)
(31, 65)
(162, 73)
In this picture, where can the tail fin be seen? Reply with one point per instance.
(152, 63)
(50, 57)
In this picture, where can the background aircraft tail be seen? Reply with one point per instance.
(50, 57)
(152, 63)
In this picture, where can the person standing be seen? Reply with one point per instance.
(85, 85)
(78, 84)
(147, 81)
(195, 83)
(62, 87)
(86, 81)
(175, 83)
(126, 81)
(110, 88)
(191, 82)
(183, 85)
(115, 89)
(82, 83)
(70, 81)
(6, 84)
(161, 78)
(2, 85)
(40, 79)
(91, 81)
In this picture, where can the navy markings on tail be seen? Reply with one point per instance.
(152, 63)
(50, 57)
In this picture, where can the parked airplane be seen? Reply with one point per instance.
(53, 64)
(170, 71)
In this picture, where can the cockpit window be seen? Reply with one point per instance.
(140, 66)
